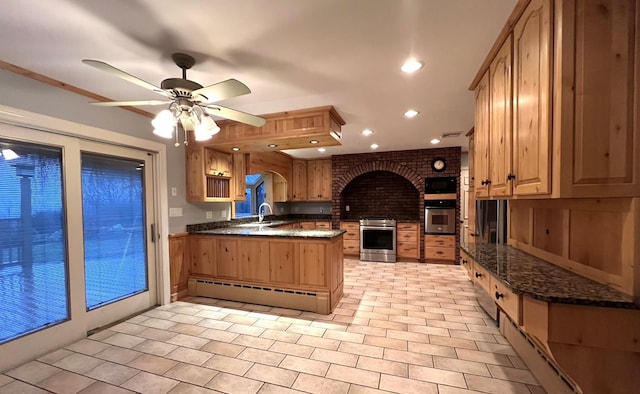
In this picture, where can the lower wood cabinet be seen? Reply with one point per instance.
(440, 247)
(508, 301)
(203, 255)
(351, 239)
(254, 261)
(467, 263)
(408, 241)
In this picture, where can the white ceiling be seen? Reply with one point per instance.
(291, 53)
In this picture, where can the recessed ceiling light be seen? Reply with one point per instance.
(411, 66)
(435, 141)
(366, 132)
(235, 149)
(272, 145)
(411, 113)
(322, 150)
(314, 142)
(375, 146)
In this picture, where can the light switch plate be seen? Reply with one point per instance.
(209, 215)
(174, 191)
(223, 214)
(175, 212)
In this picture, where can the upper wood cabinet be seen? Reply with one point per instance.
(319, 180)
(299, 181)
(208, 175)
(217, 163)
(239, 174)
(571, 130)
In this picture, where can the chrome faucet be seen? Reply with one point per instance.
(261, 213)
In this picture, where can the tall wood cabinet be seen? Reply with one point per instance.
(481, 137)
(319, 180)
(299, 181)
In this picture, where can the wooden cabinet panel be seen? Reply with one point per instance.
(408, 250)
(179, 264)
(351, 247)
(443, 241)
(226, 255)
(506, 300)
(239, 173)
(408, 241)
(323, 225)
(203, 255)
(500, 122)
(481, 138)
(532, 100)
(312, 264)
(195, 177)
(307, 225)
(439, 253)
(467, 263)
(299, 181)
(483, 277)
(319, 180)
(217, 163)
(254, 260)
(282, 257)
(352, 230)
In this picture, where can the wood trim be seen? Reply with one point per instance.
(65, 86)
(445, 196)
(504, 33)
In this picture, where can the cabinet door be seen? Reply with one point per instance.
(472, 164)
(254, 259)
(299, 181)
(195, 175)
(532, 100)
(239, 173)
(500, 122)
(282, 261)
(312, 264)
(217, 163)
(226, 264)
(314, 180)
(203, 255)
(481, 138)
(325, 180)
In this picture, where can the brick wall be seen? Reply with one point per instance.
(412, 165)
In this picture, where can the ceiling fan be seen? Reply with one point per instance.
(189, 102)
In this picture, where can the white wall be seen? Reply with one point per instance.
(28, 94)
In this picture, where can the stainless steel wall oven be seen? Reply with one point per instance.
(440, 216)
(378, 240)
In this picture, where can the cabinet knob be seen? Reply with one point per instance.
(499, 295)
(464, 261)
(511, 177)
(478, 274)
(488, 182)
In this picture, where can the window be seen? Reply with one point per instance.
(114, 228)
(33, 255)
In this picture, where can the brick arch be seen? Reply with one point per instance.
(379, 165)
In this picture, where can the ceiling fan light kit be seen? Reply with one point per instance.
(190, 103)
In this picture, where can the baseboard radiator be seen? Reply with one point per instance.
(284, 298)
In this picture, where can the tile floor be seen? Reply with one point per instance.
(400, 328)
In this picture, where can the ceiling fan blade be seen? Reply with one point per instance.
(221, 90)
(129, 103)
(236, 115)
(126, 76)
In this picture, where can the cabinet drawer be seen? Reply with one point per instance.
(407, 227)
(351, 247)
(447, 241)
(408, 249)
(467, 263)
(407, 236)
(440, 253)
(483, 278)
(509, 302)
(324, 225)
(350, 226)
(307, 225)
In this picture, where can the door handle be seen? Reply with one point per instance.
(153, 232)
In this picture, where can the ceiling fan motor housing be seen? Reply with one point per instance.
(180, 87)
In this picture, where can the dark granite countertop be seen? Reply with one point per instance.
(265, 229)
(530, 276)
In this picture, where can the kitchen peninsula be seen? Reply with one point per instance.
(270, 263)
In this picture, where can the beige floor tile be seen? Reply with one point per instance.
(293, 320)
(424, 360)
(155, 347)
(329, 325)
(255, 342)
(187, 329)
(512, 374)
(305, 365)
(495, 386)
(492, 329)
(357, 389)
(361, 349)
(399, 344)
(158, 323)
(344, 336)
(446, 324)
(393, 325)
(123, 340)
(273, 325)
(56, 355)
(109, 372)
(227, 364)
(261, 356)
(186, 319)
(66, 382)
(20, 387)
(4, 380)
(191, 374)
(145, 382)
(371, 315)
(88, 346)
(354, 375)
(454, 364)
(464, 319)
(334, 357)
(483, 357)
(215, 315)
(269, 388)
(443, 389)
(104, 388)
(396, 384)
(291, 348)
(306, 330)
(428, 330)
(33, 372)
(223, 348)
(158, 314)
(127, 328)
(453, 342)
(233, 384)
(439, 376)
(278, 335)
(330, 344)
(219, 335)
(216, 324)
(408, 336)
(474, 336)
(186, 310)
(186, 388)
(319, 385)
(242, 320)
(153, 364)
(118, 355)
(246, 329)
(351, 320)
(367, 330)
(189, 356)
(188, 341)
(383, 366)
(79, 363)
(435, 350)
(156, 334)
(496, 348)
(517, 362)
(274, 375)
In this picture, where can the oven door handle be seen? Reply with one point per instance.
(390, 228)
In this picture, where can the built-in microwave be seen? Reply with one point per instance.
(440, 185)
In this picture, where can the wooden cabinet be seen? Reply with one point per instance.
(323, 225)
(217, 163)
(307, 225)
(312, 267)
(467, 263)
(239, 180)
(573, 101)
(226, 258)
(408, 241)
(299, 181)
(208, 175)
(179, 265)
(254, 261)
(482, 277)
(203, 255)
(319, 180)
(440, 247)
(282, 262)
(508, 301)
(351, 239)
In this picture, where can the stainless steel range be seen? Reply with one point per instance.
(378, 240)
